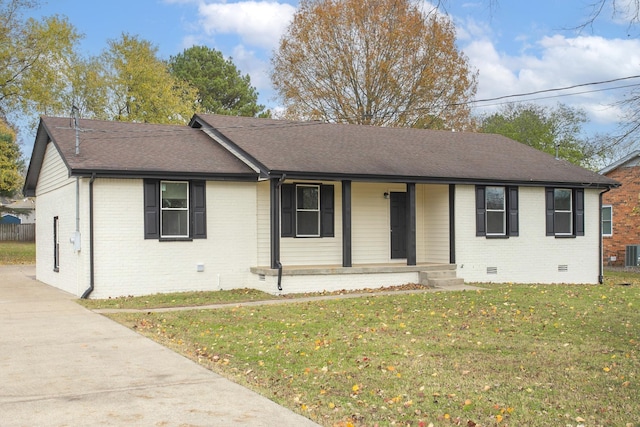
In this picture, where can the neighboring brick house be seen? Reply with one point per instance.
(621, 212)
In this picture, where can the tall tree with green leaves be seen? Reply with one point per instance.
(379, 62)
(140, 86)
(11, 163)
(222, 89)
(32, 55)
(556, 131)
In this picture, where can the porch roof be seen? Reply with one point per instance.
(325, 150)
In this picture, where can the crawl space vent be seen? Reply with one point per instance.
(563, 268)
(492, 270)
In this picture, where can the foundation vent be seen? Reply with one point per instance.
(563, 268)
(492, 270)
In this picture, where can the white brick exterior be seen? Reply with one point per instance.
(128, 264)
(531, 257)
(238, 238)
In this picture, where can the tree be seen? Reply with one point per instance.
(556, 131)
(140, 87)
(11, 163)
(380, 62)
(31, 56)
(221, 87)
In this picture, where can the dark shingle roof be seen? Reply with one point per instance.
(111, 148)
(381, 152)
(311, 150)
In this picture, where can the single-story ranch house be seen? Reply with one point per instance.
(285, 206)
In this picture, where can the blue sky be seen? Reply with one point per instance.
(518, 46)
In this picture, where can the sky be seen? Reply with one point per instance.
(517, 46)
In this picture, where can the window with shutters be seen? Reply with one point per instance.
(496, 211)
(174, 210)
(565, 212)
(307, 210)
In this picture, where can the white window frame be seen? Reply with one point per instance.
(610, 220)
(503, 211)
(569, 211)
(316, 210)
(163, 210)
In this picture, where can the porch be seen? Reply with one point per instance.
(306, 278)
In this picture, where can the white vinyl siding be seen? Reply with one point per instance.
(54, 173)
(432, 223)
(323, 251)
(371, 222)
(370, 228)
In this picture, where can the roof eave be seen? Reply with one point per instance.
(322, 176)
(159, 174)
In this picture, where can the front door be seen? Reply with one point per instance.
(398, 225)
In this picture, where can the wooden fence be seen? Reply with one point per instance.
(18, 232)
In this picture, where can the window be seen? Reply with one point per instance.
(496, 211)
(307, 210)
(607, 220)
(174, 210)
(56, 244)
(565, 212)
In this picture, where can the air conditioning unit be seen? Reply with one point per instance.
(631, 256)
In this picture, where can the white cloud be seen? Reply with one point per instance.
(257, 23)
(557, 61)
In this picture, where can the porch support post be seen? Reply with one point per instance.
(452, 223)
(411, 223)
(346, 224)
(274, 219)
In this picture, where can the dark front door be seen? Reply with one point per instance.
(398, 225)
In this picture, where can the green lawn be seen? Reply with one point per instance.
(510, 355)
(17, 253)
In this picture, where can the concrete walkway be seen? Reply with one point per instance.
(63, 365)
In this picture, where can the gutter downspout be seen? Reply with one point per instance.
(600, 243)
(86, 293)
(278, 263)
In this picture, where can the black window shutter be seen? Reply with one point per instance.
(151, 209)
(198, 210)
(287, 211)
(327, 211)
(579, 211)
(549, 204)
(481, 212)
(512, 221)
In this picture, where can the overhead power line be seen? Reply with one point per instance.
(517, 95)
(560, 95)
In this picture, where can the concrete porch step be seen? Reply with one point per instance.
(440, 278)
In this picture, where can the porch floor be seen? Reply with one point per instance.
(305, 270)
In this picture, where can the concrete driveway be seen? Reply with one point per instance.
(63, 365)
